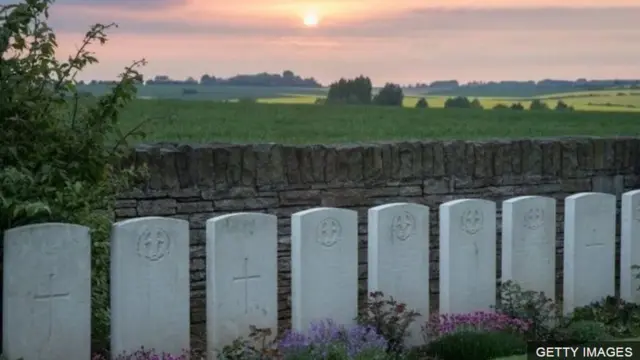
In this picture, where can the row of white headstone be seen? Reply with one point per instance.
(47, 274)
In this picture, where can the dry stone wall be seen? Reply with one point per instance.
(196, 183)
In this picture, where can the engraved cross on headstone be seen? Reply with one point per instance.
(49, 295)
(245, 278)
(596, 242)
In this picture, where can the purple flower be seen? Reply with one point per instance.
(144, 354)
(439, 325)
(326, 338)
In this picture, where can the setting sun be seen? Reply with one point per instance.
(310, 20)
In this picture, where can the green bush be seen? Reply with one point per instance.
(56, 165)
(620, 318)
(581, 332)
(539, 311)
(476, 345)
(422, 103)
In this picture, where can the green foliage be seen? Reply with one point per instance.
(257, 347)
(476, 345)
(422, 103)
(562, 106)
(539, 311)
(500, 107)
(389, 318)
(57, 166)
(475, 104)
(538, 104)
(581, 332)
(516, 106)
(621, 319)
(353, 91)
(462, 102)
(389, 95)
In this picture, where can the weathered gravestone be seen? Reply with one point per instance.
(398, 258)
(150, 285)
(324, 266)
(589, 249)
(630, 246)
(47, 292)
(467, 255)
(529, 243)
(242, 277)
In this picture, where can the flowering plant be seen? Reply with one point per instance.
(439, 325)
(327, 340)
(145, 354)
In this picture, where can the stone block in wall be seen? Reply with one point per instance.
(270, 174)
(407, 161)
(160, 207)
(603, 154)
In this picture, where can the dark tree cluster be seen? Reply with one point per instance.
(462, 102)
(515, 106)
(389, 95)
(350, 91)
(536, 105)
(358, 91)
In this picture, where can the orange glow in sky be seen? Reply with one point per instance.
(403, 41)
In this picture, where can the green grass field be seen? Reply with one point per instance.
(208, 121)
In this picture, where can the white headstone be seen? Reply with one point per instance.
(398, 262)
(529, 243)
(46, 312)
(242, 276)
(630, 246)
(150, 285)
(589, 249)
(467, 255)
(324, 266)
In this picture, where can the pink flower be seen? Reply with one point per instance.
(442, 324)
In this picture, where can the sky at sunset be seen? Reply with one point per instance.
(403, 41)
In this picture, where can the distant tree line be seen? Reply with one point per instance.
(359, 91)
(521, 88)
(441, 87)
(286, 79)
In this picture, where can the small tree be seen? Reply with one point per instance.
(389, 95)
(500, 107)
(475, 104)
(538, 104)
(562, 106)
(61, 154)
(460, 102)
(516, 106)
(422, 103)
